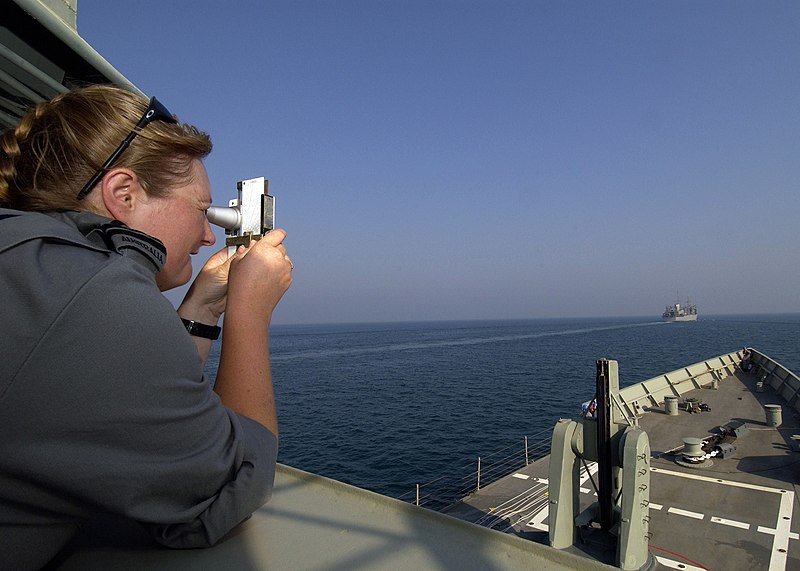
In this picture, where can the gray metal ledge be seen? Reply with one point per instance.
(315, 523)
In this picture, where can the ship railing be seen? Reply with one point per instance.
(651, 393)
(442, 492)
(780, 379)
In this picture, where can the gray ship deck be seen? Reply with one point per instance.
(735, 514)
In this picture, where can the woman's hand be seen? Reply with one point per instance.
(260, 274)
(207, 297)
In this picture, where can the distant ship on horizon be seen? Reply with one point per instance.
(678, 312)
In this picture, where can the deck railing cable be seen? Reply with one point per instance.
(447, 489)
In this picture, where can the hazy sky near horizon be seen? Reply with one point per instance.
(494, 159)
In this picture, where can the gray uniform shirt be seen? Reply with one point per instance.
(104, 408)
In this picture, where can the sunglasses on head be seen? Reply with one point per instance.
(155, 112)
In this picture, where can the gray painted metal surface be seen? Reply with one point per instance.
(317, 523)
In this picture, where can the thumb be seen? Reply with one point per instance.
(217, 259)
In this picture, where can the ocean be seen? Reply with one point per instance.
(387, 406)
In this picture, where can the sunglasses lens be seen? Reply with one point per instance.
(155, 112)
(159, 112)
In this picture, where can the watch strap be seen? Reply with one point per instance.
(201, 329)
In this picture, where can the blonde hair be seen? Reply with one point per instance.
(57, 147)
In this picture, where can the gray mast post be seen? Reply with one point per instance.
(623, 456)
(634, 521)
(607, 381)
(563, 485)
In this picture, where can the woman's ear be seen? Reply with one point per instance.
(121, 193)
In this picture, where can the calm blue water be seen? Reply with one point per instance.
(386, 406)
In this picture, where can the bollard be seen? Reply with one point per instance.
(773, 414)
(671, 405)
(692, 449)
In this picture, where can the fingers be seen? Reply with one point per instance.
(269, 247)
(260, 274)
(275, 237)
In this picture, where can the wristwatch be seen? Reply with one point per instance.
(201, 329)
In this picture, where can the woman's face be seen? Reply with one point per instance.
(179, 221)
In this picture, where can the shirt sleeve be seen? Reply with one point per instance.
(125, 422)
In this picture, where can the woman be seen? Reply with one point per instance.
(103, 404)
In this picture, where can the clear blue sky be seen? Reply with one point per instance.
(479, 160)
